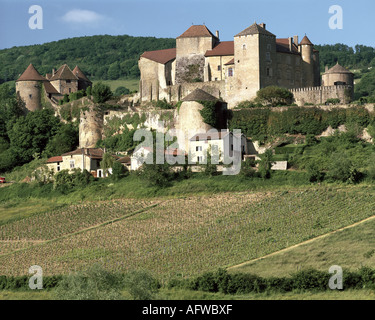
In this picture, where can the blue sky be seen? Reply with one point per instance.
(170, 18)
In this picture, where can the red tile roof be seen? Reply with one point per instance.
(79, 74)
(31, 74)
(160, 56)
(197, 31)
(93, 153)
(229, 62)
(225, 48)
(254, 29)
(282, 45)
(50, 88)
(64, 73)
(55, 159)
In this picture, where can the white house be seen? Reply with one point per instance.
(219, 143)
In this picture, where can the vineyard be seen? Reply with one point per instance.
(180, 236)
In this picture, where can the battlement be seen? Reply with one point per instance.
(322, 88)
(319, 95)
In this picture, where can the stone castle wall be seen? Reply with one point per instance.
(319, 95)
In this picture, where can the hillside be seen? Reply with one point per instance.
(99, 57)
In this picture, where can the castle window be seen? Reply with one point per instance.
(68, 81)
(218, 68)
(71, 164)
(268, 47)
(198, 148)
(30, 96)
(244, 47)
(268, 56)
(216, 79)
(200, 159)
(230, 72)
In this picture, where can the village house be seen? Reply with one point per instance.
(217, 144)
(84, 159)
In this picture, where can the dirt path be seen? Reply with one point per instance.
(302, 243)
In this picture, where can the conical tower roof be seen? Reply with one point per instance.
(306, 41)
(199, 95)
(79, 74)
(338, 69)
(31, 74)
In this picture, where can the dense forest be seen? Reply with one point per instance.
(99, 57)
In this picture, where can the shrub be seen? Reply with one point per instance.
(333, 101)
(101, 92)
(265, 164)
(141, 285)
(274, 96)
(95, 283)
(314, 172)
(310, 279)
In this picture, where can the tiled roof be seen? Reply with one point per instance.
(64, 73)
(254, 29)
(338, 69)
(225, 48)
(125, 159)
(50, 88)
(282, 45)
(93, 153)
(31, 74)
(55, 159)
(199, 95)
(229, 62)
(306, 41)
(210, 136)
(79, 74)
(197, 31)
(160, 56)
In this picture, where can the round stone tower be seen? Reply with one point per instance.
(90, 127)
(307, 53)
(28, 88)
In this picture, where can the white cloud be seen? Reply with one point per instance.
(82, 16)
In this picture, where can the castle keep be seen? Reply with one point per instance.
(236, 70)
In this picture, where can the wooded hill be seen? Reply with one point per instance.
(99, 57)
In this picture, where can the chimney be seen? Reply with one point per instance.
(326, 68)
(53, 72)
(263, 25)
(295, 40)
(217, 34)
(290, 43)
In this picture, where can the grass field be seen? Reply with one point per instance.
(350, 248)
(186, 236)
(131, 84)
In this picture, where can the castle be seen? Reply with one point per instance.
(30, 86)
(236, 70)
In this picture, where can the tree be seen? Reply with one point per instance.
(120, 91)
(101, 92)
(265, 164)
(274, 96)
(107, 163)
(66, 139)
(118, 171)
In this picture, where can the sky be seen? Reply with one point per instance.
(61, 19)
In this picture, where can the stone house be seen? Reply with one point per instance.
(31, 86)
(84, 159)
(219, 143)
